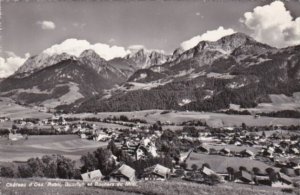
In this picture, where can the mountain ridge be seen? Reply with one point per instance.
(210, 76)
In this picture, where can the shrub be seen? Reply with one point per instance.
(6, 172)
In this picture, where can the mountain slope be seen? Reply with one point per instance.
(62, 79)
(145, 58)
(64, 83)
(235, 69)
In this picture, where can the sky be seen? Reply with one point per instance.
(116, 28)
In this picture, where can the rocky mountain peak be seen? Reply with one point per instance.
(89, 53)
(146, 58)
(41, 61)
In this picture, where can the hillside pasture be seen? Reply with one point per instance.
(234, 148)
(220, 163)
(144, 187)
(178, 117)
(14, 111)
(70, 146)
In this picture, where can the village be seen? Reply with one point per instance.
(194, 152)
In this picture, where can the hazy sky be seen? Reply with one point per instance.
(31, 27)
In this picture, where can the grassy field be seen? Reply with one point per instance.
(108, 125)
(178, 117)
(149, 187)
(220, 163)
(188, 188)
(14, 111)
(234, 148)
(70, 146)
(47, 190)
(9, 109)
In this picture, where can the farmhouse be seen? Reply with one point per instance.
(263, 180)
(203, 149)
(283, 180)
(247, 153)
(123, 173)
(92, 176)
(225, 152)
(244, 176)
(157, 172)
(207, 172)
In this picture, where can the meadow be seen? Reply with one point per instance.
(220, 163)
(172, 187)
(177, 117)
(14, 111)
(70, 146)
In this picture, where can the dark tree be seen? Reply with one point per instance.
(206, 165)
(6, 172)
(256, 170)
(89, 162)
(194, 167)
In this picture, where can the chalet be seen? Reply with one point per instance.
(123, 173)
(283, 180)
(102, 137)
(157, 172)
(262, 180)
(225, 152)
(247, 154)
(203, 149)
(243, 176)
(207, 172)
(92, 176)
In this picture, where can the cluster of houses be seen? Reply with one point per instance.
(125, 173)
(279, 151)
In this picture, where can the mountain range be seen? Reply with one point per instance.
(212, 75)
